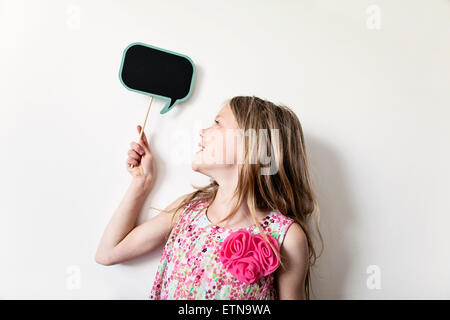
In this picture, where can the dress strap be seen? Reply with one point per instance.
(191, 211)
(277, 225)
(184, 219)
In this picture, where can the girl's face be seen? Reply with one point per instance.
(220, 144)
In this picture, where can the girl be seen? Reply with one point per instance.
(243, 236)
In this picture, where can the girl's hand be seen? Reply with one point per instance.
(141, 157)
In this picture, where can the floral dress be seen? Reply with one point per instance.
(216, 263)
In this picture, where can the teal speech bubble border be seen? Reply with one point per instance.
(166, 107)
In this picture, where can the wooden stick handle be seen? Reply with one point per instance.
(145, 121)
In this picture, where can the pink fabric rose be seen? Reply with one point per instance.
(265, 256)
(235, 246)
(248, 257)
(246, 269)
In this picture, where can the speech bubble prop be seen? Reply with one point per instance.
(157, 72)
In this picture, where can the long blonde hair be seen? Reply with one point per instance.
(288, 191)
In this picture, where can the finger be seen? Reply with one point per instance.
(133, 154)
(137, 147)
(131, 161)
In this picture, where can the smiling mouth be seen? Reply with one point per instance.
(201, 147)
(200, 144)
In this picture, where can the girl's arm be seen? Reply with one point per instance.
(122, 240)
(291, 282)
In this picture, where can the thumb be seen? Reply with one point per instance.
(143, 138)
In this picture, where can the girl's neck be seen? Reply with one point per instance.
(223, 204)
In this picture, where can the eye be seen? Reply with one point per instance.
(216, 121)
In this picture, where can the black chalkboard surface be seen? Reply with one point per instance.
(157, 72)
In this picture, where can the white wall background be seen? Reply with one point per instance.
(373, 103)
